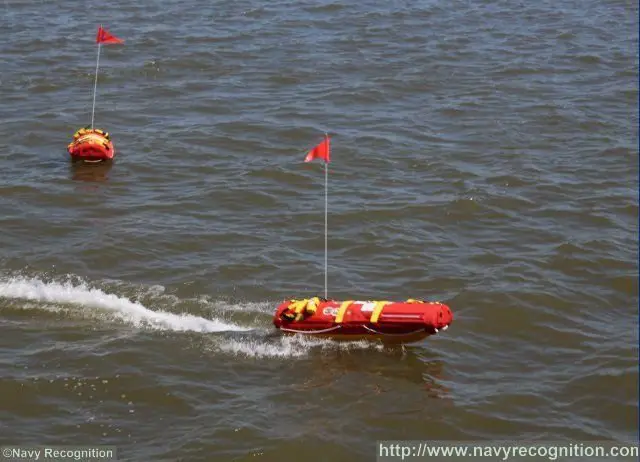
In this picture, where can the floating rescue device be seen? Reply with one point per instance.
(390, 322)
(91, 145)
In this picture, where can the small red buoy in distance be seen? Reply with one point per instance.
(91, 145)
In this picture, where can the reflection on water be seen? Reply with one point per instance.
(385, 370)
(83, 171)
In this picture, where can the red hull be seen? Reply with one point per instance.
(91, 145)
(397, 322)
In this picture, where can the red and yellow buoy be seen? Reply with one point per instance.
(390, 322)
(91, 145)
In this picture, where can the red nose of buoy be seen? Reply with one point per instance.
(439, 318)
(445, 316)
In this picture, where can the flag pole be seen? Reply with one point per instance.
(323, 153)
(326, 202)
(326, 212)
(95, 84)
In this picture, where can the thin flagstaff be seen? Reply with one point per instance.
(326, 213)
(95, 84)
(323, 151)
(105, 37)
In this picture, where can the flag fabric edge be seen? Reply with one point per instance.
(104, 37)
(321, 151)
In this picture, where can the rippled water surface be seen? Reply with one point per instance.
(485, 154)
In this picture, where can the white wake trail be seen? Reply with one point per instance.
(133, 313)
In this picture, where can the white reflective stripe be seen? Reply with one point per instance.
(367, 306)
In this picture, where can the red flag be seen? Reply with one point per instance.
(321, 151)
(105, 37)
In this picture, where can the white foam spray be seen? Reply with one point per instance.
(285, 346)
(78, 297)
(87, 298)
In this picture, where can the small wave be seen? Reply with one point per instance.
(134, 313)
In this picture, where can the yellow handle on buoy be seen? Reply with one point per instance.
(377, 311)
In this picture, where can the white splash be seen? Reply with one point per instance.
(285, 346)
(134, 313)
